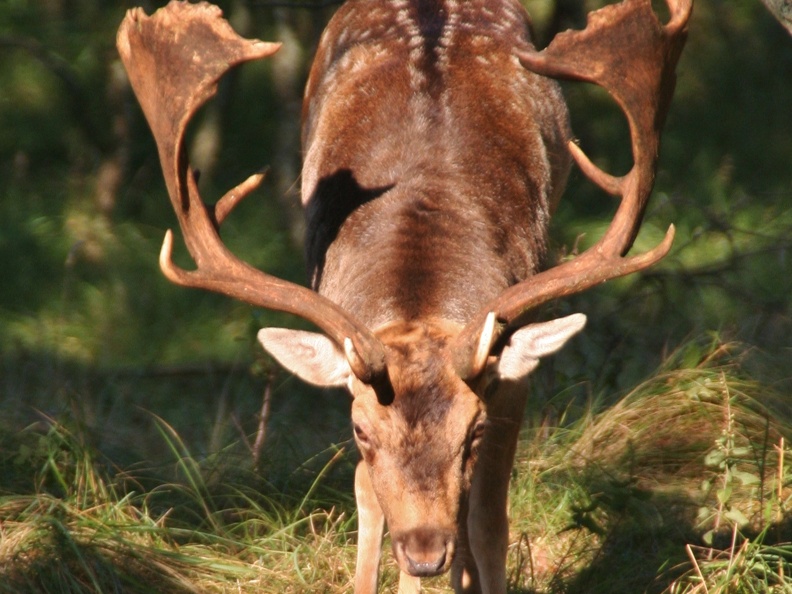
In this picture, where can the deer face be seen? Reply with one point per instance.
(420, 450)
(419, 443)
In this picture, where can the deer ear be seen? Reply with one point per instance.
(311, 356)
(526, 346)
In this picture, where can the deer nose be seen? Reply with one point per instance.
(424, 552)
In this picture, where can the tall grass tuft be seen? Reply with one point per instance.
(681, 478)
(681, 486)
(82, 530)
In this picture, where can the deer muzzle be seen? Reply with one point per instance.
(424, 552)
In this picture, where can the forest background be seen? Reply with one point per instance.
(94, 339)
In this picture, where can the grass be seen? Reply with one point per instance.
(677, 485)
(681, 486)
(84, 529)
(688, 465)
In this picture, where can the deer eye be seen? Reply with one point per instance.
(477, 433)
(360, 435)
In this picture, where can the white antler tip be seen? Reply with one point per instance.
(169, 269)
(485, 342)
(167, 249)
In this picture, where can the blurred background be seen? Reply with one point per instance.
(91, 333)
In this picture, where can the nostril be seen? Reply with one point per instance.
(424, 552)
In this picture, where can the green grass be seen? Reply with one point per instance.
(681, 486)
(612, 502)
(128, 406)
(83, 528)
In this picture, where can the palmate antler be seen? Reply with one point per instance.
(175, 59)
(627, 51)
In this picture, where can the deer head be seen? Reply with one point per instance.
(422, 445)
(427, 387)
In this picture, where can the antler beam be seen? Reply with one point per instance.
(628, 52)
(175, 59)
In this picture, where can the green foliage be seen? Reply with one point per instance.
(81, 248)
(691, 461)
(682, 484)
(85, 529)
(749, 567)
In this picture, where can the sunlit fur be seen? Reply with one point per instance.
(428, 201)
(420, 450)
(432, 163)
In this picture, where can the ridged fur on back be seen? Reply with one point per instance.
(433, 159)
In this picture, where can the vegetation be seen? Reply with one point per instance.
(683, 485)
(656, 454)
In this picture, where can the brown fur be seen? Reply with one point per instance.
(433, 161)
(440, 173)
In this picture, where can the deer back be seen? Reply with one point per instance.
(432, 158)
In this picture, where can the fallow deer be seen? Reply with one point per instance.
(435, 151)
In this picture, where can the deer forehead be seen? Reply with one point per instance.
(430, 401)
(417, 447)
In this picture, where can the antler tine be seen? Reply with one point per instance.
(174, 60)
(627, 51)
